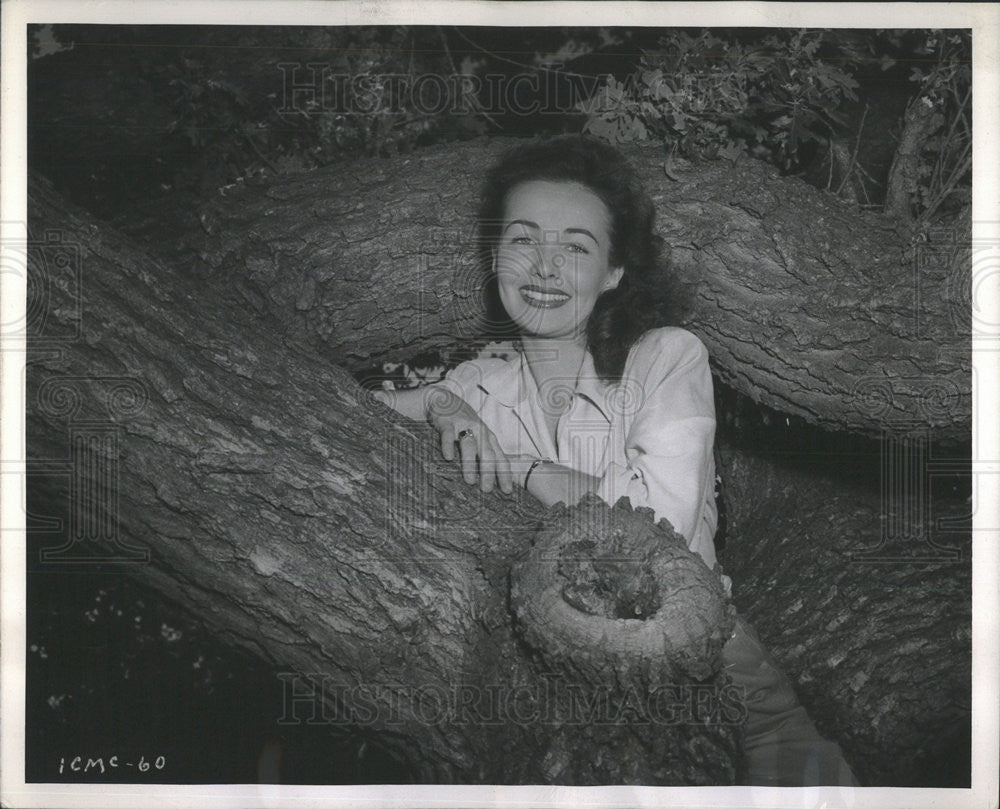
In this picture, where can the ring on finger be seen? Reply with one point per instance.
(464, 433)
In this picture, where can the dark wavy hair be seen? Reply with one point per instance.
(646, 296)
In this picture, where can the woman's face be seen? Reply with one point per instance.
(552, 258)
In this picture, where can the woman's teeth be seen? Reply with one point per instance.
(546, 300)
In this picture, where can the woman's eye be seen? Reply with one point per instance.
(521, 240)
(577, 248)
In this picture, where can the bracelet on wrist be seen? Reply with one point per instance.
(536, 462)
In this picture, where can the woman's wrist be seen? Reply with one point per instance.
(437, 401)
(553, 483)
(534, 465)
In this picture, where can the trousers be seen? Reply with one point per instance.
(783, 747)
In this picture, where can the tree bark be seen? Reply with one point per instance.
(806, 305)
(921, 120)
(314, 526)
(851, 596)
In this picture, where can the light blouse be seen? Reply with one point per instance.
(648, 437)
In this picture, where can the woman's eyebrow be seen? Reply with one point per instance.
(534, 225)
(584, 231)
(525, 222)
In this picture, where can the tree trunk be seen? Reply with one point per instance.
(922, 119)
(263, 490)
(805, 304)
(317, 529)
(866, 602)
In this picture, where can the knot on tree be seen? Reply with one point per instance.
(606, 592)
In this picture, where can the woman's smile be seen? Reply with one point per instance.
(543, 298)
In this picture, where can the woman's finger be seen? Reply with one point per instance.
(468, 449)
(448, 441)
(487, 466)
(504, 474)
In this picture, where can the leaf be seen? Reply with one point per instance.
(649, 110)
(668, 169)
(601, 127)
(664, 92)
(628, 129)
(652, 77)
(732, 151)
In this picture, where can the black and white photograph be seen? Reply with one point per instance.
(469, 403)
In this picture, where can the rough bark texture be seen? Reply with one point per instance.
(806, 304)
(261, 479)
(315, 527)
(606, 581)
(869, 614)
(922, 119)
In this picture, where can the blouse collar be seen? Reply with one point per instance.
(514, 382)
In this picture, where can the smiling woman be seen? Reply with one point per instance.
(603, 397)
(552, 261)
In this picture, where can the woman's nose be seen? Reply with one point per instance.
(550, 262)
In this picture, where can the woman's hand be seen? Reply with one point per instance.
(554, 483)
(478, 448)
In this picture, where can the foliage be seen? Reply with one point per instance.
(723, 94)
(208, 106)
(944, 80)
(710, 95)
(245, 101)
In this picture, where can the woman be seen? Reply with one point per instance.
(600, 400)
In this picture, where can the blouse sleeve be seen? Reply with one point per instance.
(466, 380)
(668, 442)
(463, 380)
